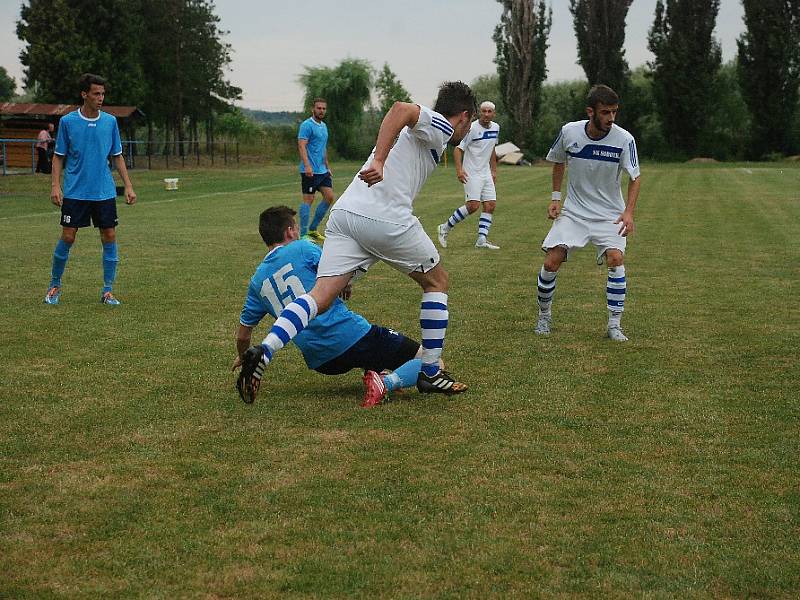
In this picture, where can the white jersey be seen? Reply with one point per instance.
(478, 147)
(414, 156)
(595, 167)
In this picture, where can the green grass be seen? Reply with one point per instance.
(664, 467)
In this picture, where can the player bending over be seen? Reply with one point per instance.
(373, 221)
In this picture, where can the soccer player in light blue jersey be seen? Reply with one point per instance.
(315, 172)
(597, 152)
(338, 340)
(85, 140)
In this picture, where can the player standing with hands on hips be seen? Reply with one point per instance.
(596, 151)
(85, 140)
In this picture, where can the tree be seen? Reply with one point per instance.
(600, 30)
(687, 59)
(521, 41)
(769, 71)
(62, 42)
(8, 85)
(389, 89)
(346, 88)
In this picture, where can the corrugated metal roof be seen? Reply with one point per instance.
(17, 109)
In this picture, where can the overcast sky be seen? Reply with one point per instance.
(425, 42)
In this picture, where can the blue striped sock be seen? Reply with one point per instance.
(546, 287)
(484, 223)
(458, 215)
(433, 322)
(110, 261)
(615, 294)
(292, 320)
(319, 214)
(305, 214)
(60, 257)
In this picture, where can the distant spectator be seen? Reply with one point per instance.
(43, 143)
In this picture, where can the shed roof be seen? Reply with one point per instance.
(16, 109)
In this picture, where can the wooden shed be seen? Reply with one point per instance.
(25, 121)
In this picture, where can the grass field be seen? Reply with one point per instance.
(665, 467)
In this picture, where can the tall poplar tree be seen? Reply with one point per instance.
(687, 59)
(521, 41)
(600, 30)
(769, 71)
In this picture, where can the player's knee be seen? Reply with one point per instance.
(68, 235)
(489, 207)
(472, 206)
(614, 258)
(553, 260)
(108, 235)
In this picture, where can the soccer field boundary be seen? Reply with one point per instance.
(168, 200)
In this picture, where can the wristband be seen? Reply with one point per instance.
(556, 196)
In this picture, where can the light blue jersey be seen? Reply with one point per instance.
(289, 272)
(317, 135)
(86, 145)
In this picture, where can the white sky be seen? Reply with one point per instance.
(425, 42)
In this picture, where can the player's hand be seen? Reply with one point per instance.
(236, 363)
(130, 195)
(626, 224)
(308, 171)
(554, 209)
(462, 176)
(373, 173)
(346, 293)
(56, 196)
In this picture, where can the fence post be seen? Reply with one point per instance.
(5, 159)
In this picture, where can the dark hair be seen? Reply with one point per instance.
(273, 222)
(601, 94)
(455, 97)
(87, 80)
(319, 100)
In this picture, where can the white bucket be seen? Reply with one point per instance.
(171, 183)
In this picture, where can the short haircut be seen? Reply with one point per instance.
(487, 104)
(601, 94)
(88, 79)
(454, 98)
(273, 222)
(319, 100)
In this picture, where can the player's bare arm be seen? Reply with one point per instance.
(402, 114)
(130, 195)
(554, 209)
(458, 157)
(56, 196)
(243, 336)
(493, 166)
(301, 148)
(626, 218)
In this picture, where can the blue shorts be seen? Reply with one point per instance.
(379, 349)
(77, 213)
(309, 185)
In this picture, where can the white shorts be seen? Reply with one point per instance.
(571, 232)
(480, 187)
(354, 243)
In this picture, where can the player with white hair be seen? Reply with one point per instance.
(476, 168)
(597, 152)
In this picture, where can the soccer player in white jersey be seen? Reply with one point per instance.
(476, 168)
(596, 151)
(373, 220)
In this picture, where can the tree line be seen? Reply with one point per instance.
(168, 57)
